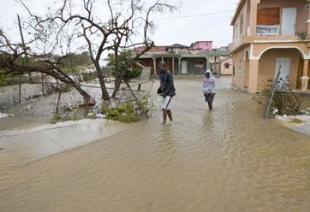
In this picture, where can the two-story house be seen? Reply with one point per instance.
(271, 36)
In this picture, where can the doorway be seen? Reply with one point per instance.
(283, 64)
(184, 67)
(288, 25)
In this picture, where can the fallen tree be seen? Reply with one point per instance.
(12, 61)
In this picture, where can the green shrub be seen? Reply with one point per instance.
(302, 35)
(296, 121)
(133, 73)
(125, 65)
(124, 113)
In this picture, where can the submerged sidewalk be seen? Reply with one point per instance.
(31, 142)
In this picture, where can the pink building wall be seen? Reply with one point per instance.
(203, 45)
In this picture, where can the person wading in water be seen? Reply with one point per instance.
(208, 88)
(167, 91)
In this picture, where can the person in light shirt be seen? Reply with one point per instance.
(208, 88)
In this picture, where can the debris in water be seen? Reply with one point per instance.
(4, 115)
(298, 119)
(100, 115)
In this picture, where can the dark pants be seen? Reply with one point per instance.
(209, 97)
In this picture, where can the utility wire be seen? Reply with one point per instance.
(196, 15)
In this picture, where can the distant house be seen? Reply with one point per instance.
(202, 45)
(220, 61)
(271, 36)
(179, 59)
(223, 67)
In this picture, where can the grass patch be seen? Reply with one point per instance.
(296, 121)
(69, 114)
(123, 113)
(57, 117)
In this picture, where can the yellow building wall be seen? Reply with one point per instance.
(239, 68)
(267, 65)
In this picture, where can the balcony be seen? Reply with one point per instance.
(267, 30)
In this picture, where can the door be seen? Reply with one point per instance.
(184, 67)
(283, 64)
(288, 25)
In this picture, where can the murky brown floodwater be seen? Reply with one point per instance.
(228, 160)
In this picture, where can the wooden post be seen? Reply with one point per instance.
(154, 63)
(19, 90)
(42, 83)
(58, 99)
(274, 88)
(139, 87)
(173, 68)
(180, 71)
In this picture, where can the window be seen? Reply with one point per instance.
(268, 21)
(240, 65)
(236, 31)
(226, 65)
(240, 71)
(267, 30)
(241, 24)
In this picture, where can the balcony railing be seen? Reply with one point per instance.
(265, 30)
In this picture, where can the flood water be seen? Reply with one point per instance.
(228, 160)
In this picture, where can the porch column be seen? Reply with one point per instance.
(180, 58)
(253, 75)
(154, 66)
(173, 68)
(305, 77)
(253, 16)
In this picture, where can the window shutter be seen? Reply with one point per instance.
(268, 16)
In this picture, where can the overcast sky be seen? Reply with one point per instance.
(202, 20)
(193, 20)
